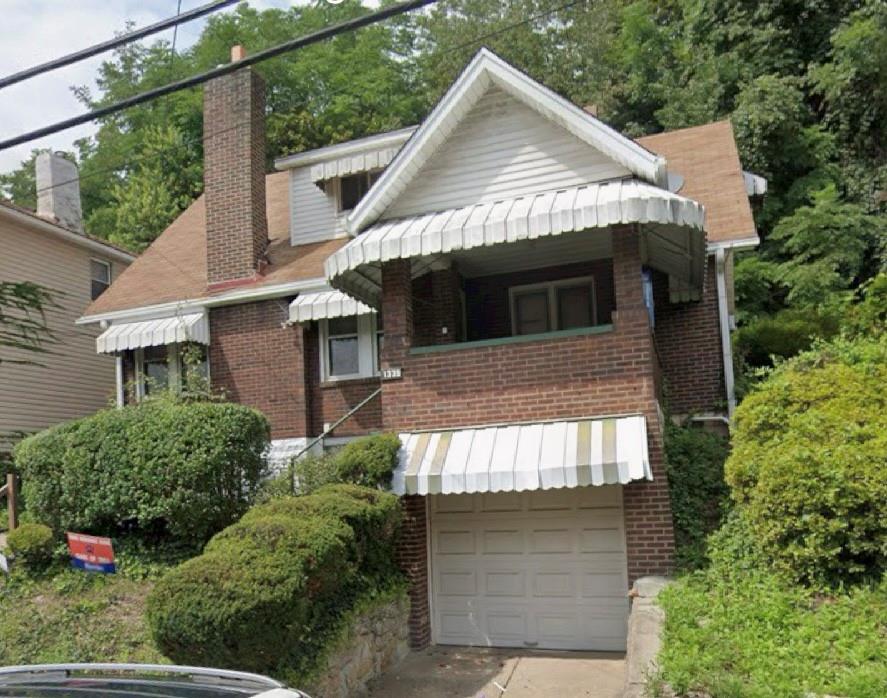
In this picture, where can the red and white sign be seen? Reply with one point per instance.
(91, 553)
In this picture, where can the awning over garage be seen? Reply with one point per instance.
(193, 327)
(522, 457)
(324, 305)
(674, 238)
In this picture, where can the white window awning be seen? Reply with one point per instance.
(193, 327)
(522, 457)
(325, 305)
(355, 267)
(352, 164)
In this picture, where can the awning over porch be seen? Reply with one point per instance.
(516, 458)
(193, 327)
(674, 232)
(325, 305)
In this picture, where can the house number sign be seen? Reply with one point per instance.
(389, 374)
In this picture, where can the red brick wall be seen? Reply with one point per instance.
(488, 308)
(234, 175)
(327, 402)
(688, 340)
(258, 362)
(589, 375)
(413, 560)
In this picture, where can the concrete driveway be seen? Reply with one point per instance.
(457, 672)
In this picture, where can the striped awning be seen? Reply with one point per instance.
(355, 268)
(523, 457)
(325, 304)
(193, 327)
(352, 164)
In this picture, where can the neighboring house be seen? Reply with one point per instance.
(49, 248)
(529, 290)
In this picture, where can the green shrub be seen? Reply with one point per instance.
(367, 461)
(177, 469)
(373, 515)
(808, 460)
(256, 597)
(695, 466)
(32, 544)
(268, 590)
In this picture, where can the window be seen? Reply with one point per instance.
(100, 275)
(557, 305)
(171, 367)
(350, 347)
(354, 187)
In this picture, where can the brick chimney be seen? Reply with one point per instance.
(234, 176)
(58, 190)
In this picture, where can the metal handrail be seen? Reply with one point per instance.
(329, 430)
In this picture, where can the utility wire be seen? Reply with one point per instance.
(114, 43)
(214, 134)
(141, 98)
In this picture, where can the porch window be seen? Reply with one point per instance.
(152, 364)
(350, 347)
(557, 305)
(169, 367)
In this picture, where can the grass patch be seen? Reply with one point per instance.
(66, 615)
(749, 635)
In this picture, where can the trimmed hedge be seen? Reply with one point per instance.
(163, 467)
(268, 591)
(32, 544)
(808, 463)
(368, 461)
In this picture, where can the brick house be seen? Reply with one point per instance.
(520, 291)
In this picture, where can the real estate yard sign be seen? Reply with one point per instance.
(91, 553)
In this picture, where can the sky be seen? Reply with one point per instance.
(34, 31)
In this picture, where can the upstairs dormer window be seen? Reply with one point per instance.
(352, 188)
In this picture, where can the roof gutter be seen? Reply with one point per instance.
(724, 322)
(739, 244)
(240, 295)
(67, 235)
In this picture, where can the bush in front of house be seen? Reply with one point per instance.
(162, 468)
(368, 461)
(32, 544)
(807, 466)
(267, 591)
(695, 466)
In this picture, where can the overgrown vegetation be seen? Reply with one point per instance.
(32, 544)
(368, 461)
(160, 469)
(794, 600)
(695, 466)
(304, 559)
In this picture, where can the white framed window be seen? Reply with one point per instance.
(165, 367)
(564, 304)
(100, 277)
(352, 188)
(350, 347)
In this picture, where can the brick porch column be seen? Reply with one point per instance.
(649, 528)
(412, 556)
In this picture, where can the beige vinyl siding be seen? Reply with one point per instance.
(502, 149)
(72, 380)
(314, 213)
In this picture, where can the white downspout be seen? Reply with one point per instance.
(723, 316)
(119, 380)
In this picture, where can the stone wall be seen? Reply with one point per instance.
(373, 642)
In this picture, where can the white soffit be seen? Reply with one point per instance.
(352, 164)
(152, 333)
(511, 220)
(517, 458)
(755, 185)
(484, 69)
(324, 305)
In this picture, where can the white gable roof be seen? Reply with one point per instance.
(484, 70)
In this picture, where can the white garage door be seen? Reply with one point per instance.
(540, 569)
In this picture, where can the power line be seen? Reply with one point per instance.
(121, 40)
(141, 98)
(214, 134)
